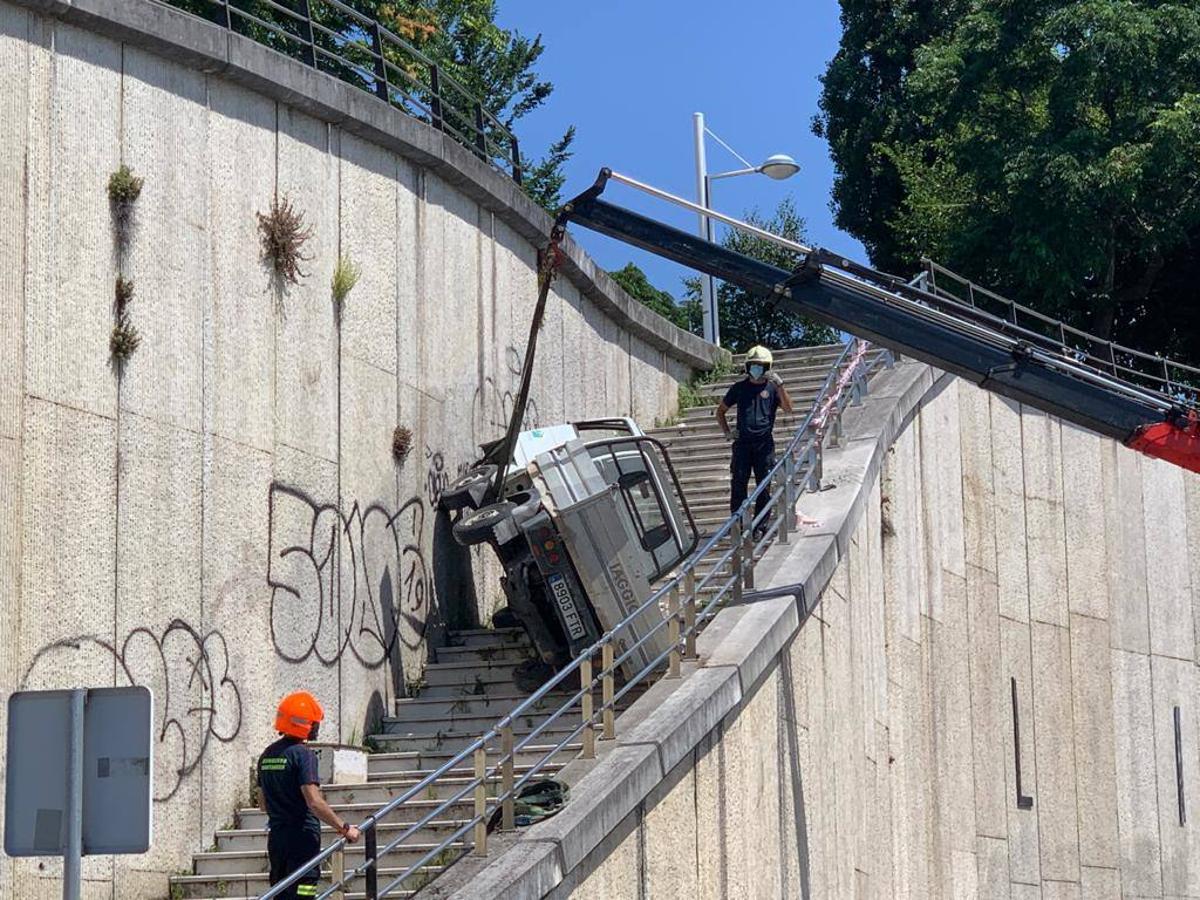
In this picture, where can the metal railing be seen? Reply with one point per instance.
(688, 599)
(337, 39)
(1176, 380)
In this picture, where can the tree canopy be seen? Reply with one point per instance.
(1049, 149)
(638, 286)
(476, 58)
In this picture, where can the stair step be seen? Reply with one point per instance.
(253, 884)
(235, 862)
(376, 793)
(252, 820)
(467, 672)
(494, 702)
(487, 637)
(511, 653)
(248, 839)
(401, 762)
(456, 738)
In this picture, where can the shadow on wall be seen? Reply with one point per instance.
(453, 582)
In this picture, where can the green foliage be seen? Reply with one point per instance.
(698, 391)
(495, 65)
(635, 283)
(283, 235)
(345, 276)
(123, 186)
(747, 319)
(123, 341)
(1050, 150)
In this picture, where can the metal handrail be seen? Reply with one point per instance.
(796, 470)
(358, 55)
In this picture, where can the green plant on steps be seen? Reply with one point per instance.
(345, 276)
(697, 391)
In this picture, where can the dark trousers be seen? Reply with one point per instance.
(757, 456)
(288, 849)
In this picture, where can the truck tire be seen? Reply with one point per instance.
(465, 491)
(477, 527)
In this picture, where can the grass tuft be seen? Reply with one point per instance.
(401, 443)
(284, 235)
(345, 277)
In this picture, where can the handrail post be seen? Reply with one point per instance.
(435, 99)
(607, 691)
(480, 801)
(689, 614)
(748, 549)
(480, 137)
(507, 818)
(589, 729)
(735, 535)
(673, 631)
(382, 89)
(518, 174)
(337, 873)
(306, 11)
(371, 852)
(789, 498)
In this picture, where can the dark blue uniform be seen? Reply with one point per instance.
(754, 448)
(295, 834)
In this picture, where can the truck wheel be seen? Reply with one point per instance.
(477, 527)
(466, 490)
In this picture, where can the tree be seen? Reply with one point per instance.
(1049, 149)
(491, 64)
(635, 283)
(476, 58)
(748, 319)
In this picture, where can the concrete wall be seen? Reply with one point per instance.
(967, 544)
(224, 522)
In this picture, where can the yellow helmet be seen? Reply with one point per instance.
(760, 355)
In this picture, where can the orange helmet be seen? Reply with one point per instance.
(299, 716)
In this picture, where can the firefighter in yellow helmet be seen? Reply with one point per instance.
(289, 793)
(757, 398)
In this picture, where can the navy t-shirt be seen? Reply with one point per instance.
(756, 406)
(282, 769)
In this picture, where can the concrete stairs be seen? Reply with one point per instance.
(466, 689)
(700, 452)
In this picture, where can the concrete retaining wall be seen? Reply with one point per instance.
(225, 522)
(865, 748)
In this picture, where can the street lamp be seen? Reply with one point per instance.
(777, 167)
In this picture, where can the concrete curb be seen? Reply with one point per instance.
(739, 647)
(212, 49)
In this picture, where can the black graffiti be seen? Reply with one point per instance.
(493, 403)
(189, 674)
(438, 476)
(356, 583)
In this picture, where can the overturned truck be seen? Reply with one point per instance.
(584, 519)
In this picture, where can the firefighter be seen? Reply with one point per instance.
(757, 398)
(290, 795)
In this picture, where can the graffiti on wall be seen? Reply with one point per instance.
(439, 475)
(196, 700)
(493, 402)
(354, 583)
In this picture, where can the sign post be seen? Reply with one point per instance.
(79, 775)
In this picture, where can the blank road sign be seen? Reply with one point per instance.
(117, 772)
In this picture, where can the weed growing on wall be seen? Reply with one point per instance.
(124, 188)
(401, 443)
(284, 234)
(345, 277)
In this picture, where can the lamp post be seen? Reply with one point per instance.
(777, 167)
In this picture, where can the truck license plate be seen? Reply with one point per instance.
(566, 605)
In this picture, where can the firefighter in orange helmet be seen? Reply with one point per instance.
(289, 793)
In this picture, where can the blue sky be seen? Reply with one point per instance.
(629, 75)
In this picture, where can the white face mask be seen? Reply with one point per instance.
(756, 371)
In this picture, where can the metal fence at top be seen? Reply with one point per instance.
(1178, 381)
(720, 572)
(339, 40)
